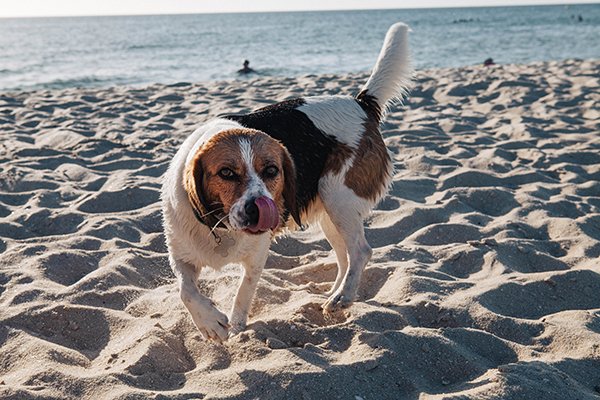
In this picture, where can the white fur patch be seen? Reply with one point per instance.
(256, 187)
(392, 73)
(333, 190)
(247, 154)
(203, 135)
(337, 116)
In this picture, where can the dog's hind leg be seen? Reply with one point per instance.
(346, 211)
(212, 323)
(339, 247)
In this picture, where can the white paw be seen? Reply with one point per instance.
(213, 325)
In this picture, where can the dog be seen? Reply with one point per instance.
(240, 180)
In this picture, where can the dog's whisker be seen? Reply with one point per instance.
(217, 224)
(210, 212)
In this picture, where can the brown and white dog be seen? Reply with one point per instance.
(238, 181)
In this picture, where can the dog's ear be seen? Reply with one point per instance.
(192, 182)
(289, 188)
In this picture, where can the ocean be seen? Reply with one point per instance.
(38, 53)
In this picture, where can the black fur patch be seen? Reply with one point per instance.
(308, 146)
(370, 105)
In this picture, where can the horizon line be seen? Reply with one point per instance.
(550, 4)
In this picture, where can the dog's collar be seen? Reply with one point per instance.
(224, 241)
(198, 216)
(213, 229)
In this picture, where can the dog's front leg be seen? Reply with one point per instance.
(212, 323)
(253, 267)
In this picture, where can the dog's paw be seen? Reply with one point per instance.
(236, 327)
(214, 325)
(336, 302)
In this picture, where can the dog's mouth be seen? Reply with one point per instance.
(268, 216)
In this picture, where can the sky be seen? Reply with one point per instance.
(46, 8)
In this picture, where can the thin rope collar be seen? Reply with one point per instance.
(203, 222)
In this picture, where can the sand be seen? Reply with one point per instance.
(484, 284)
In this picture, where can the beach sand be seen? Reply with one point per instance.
(484, 283)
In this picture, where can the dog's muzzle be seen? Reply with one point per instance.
(262, 214)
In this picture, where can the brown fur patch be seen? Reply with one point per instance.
(212, 196)
(191, 175)
(222, 151)
(371, 166)
(337, 159)
(209, 196)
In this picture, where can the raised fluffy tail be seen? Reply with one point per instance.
(391, 76)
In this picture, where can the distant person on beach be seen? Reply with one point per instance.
(488, 62)
(579, 17)
(246, 68)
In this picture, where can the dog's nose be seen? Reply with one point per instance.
(251, 210)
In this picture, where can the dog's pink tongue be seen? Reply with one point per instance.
(268, 217)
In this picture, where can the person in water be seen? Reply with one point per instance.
(246, 69)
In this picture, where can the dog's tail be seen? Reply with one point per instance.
(391, 76)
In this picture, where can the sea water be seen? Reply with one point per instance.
(137, 50)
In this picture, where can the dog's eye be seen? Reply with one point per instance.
(227, 174)
(270, 172)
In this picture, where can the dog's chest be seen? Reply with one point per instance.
(226, 247)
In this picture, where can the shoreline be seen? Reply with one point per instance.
(259, 79)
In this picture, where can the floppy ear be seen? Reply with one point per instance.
(192, 182)
(289, 188)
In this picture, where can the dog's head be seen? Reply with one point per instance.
(243, 179)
